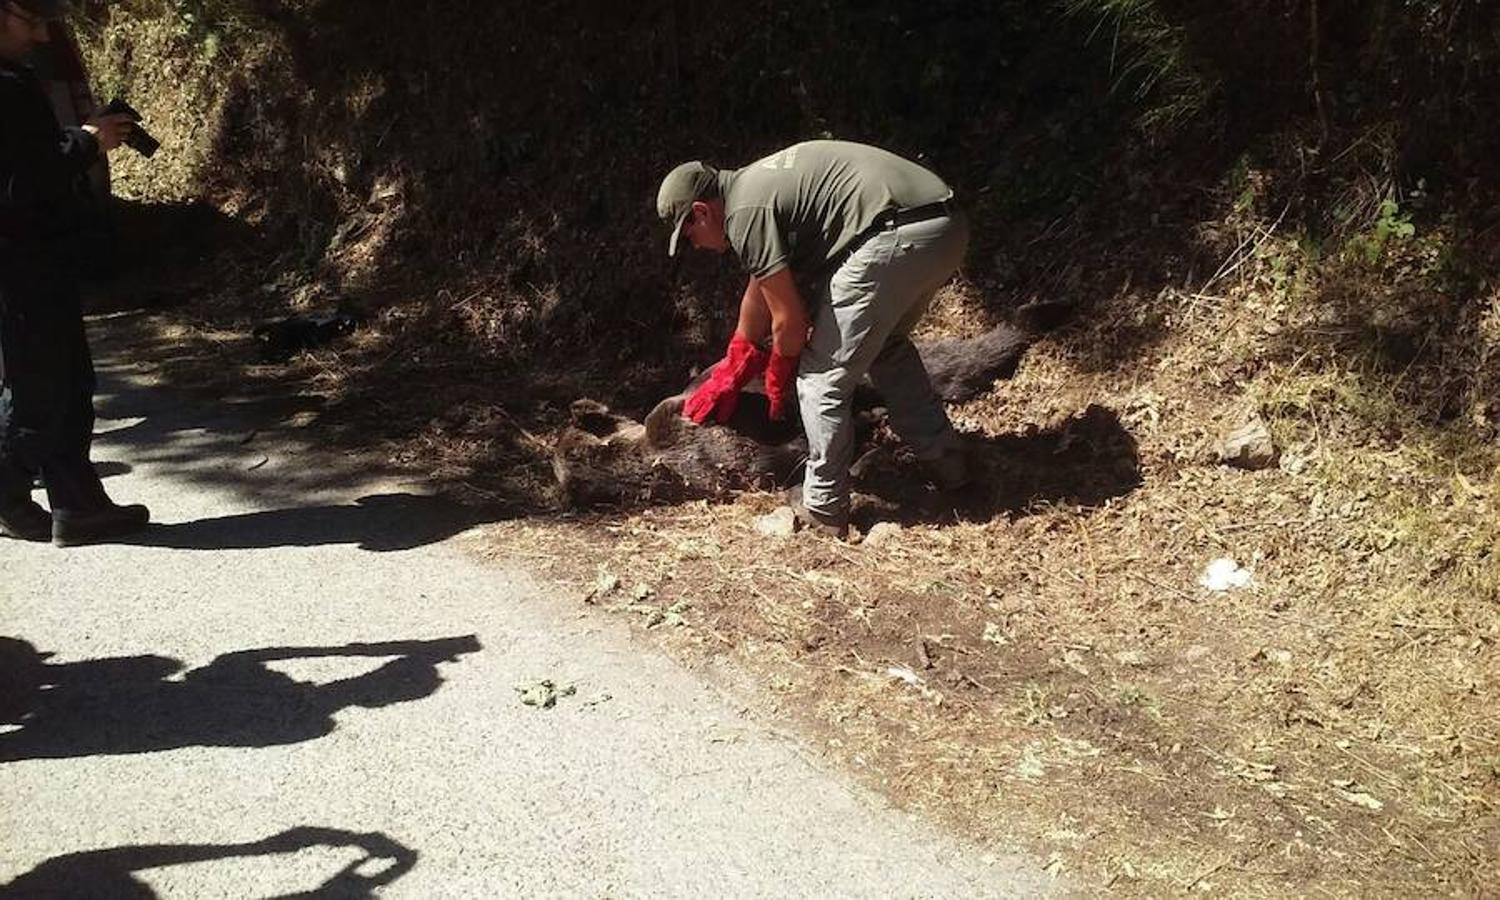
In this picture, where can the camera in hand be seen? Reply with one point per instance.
(139, 139)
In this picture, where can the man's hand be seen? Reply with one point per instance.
(720, 394)
(781, 384)
(110, 130)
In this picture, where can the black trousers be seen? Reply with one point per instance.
(47, 399)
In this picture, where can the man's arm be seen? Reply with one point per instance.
(755, 318)
(788, 315)
(785, 310)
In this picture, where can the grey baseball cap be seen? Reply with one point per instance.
(674, 201)
(49, 10)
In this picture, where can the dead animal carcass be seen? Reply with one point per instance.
(603, 458)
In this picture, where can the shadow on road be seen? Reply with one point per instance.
(380, 523)
(111, 873)
(112, 469)
(138, 705)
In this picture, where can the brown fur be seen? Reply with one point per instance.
(604, 458)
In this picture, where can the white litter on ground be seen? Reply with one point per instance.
(1223, 575)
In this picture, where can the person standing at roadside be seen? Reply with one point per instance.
(845, 245)
(46, 403)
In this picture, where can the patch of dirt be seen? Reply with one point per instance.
(1036, 662)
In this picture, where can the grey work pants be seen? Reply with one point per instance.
(874, 300)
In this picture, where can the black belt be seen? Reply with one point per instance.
(894, 217)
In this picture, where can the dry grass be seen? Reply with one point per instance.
(1057, 677)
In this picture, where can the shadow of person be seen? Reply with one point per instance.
(153, 420)
(132, 704)
(379, 523)
(112, 873)
(1085, 461)
(110, 469)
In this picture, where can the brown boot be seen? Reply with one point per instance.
(828, 526)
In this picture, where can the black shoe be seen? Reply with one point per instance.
(86, 526)
(24, 520)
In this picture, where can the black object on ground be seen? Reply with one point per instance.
(280, 340)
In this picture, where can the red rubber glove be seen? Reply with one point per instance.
(781, 383)
(720, 394)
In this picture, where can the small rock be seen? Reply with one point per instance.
(544, 694)
(1030, 766)
(780, 524)
(994, 634)
(603, 585)
(1134, 658)
(1249, 446)
(902, 673)
(1294, 464)
(882, 533)
(1361, 798)
(1273, 655)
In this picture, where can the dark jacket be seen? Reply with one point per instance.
(43, 195)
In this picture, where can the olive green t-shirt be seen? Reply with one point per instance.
(801, 207)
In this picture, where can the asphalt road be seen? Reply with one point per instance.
(301, 684)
